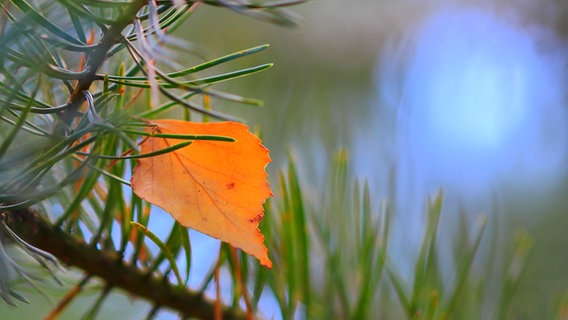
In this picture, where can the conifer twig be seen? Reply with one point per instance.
(107, 265)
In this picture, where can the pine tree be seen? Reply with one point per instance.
(76, 80)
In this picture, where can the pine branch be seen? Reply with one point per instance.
(107, 265)
(97, 57)
(50, 69)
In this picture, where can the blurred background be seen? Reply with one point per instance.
(468, 96)
(464, 96)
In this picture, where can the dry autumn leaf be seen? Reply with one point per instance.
(214, 187)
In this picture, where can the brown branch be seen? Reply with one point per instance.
(38, 232)
(97, 57)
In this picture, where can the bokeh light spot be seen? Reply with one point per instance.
(482, 104)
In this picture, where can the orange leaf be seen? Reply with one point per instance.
(214, 187)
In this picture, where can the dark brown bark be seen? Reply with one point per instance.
(108, 266)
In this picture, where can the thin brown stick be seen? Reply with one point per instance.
(240, 282)
(217, 280)
(67, 299)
